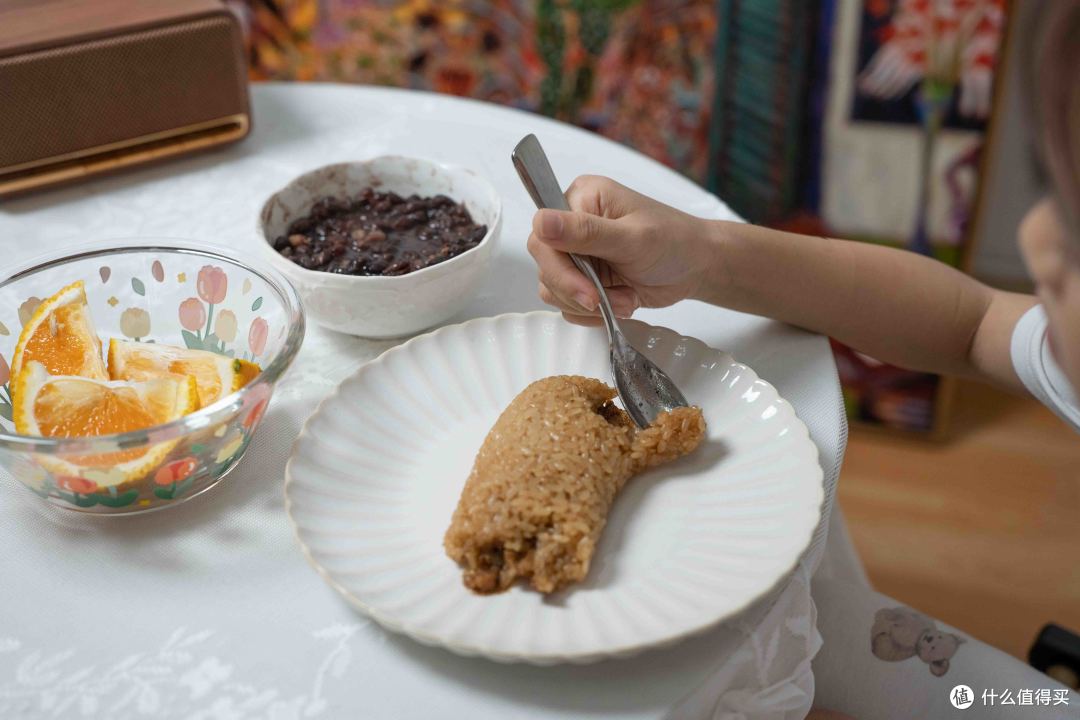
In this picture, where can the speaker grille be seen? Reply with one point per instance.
(64, 100)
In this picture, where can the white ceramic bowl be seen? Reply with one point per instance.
(377, 306)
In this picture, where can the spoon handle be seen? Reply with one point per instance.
(536, 174)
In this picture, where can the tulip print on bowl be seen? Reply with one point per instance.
(76, 484)
(175, 478)
(84, 492)
(209, 325)
(212, 284)
(254, 416)
(257, 336)
(255, 403)
(192, 315)
(225, 327)
(203, 328)
(135, 323)
(175, 471)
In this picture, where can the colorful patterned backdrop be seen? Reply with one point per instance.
(751, 99)
(637, 71)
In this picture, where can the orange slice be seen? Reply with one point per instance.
(216, 375)
(73, 406)
(60, 335)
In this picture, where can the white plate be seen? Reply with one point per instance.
(377, 470)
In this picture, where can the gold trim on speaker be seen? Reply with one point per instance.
(103, 158)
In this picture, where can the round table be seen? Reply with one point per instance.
(211, 610)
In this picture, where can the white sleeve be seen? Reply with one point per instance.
(1037, 369)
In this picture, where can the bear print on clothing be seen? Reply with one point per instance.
(900, 633)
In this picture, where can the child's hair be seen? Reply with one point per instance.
(1052, 62)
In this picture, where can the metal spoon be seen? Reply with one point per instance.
(643, 387)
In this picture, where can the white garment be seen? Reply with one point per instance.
(775, 657)
(855, 675)
(1039, 371)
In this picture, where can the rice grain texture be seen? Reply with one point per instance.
(545, 478)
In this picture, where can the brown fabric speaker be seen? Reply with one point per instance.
(90, 86)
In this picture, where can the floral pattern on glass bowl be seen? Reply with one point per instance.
(156, 292)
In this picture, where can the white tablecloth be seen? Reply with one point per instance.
(208, 610)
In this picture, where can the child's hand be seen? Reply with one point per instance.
(647, 254)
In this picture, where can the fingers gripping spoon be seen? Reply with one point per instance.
(643, 387)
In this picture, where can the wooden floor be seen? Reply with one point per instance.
(981, 531)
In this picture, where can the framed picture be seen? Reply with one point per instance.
(910, 94)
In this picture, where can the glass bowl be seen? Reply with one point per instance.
(164, 292)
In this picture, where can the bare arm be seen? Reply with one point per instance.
(896, 306)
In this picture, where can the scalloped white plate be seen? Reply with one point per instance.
(377, 470)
